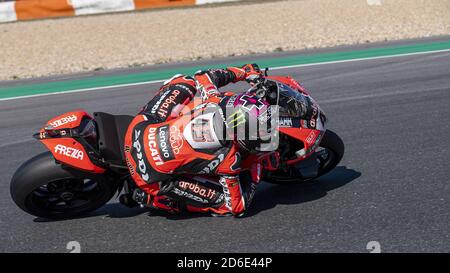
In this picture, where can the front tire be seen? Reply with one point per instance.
(44, 188)
(333, 144)
(329, 154)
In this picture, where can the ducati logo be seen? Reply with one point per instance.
(153, 145)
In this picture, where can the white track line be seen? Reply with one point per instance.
(361, 59)
(379, 95)
(82, 90)
(272, 68)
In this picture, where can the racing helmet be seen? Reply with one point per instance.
(248, 121)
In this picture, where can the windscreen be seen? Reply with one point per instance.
(291, 102)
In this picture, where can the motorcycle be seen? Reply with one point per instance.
(85, 166)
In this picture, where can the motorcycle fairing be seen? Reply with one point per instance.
(67, 120)
(71, 152)
(290, 82)
(310, 137)
(309, 132)
(58, 136)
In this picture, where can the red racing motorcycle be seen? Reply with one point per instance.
(85, 167)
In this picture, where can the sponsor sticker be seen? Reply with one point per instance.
(198, 189)
(190, 196)
(285, 122)
(69, 152)
(130, 166)
(62, 121)
(176, 139)
(311, 137)
(165, 103)
(315, 111)
(212, 165)
(226, 193)
(250, 102)
(153, 145)
(142, 168)
(163, 141)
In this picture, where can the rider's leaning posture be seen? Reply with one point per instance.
(160, 142)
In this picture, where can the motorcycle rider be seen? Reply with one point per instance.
(160, 142)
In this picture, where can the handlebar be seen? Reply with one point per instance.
(258, 85)
(261, 89)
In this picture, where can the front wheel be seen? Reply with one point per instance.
(328, 154)
(45, 189)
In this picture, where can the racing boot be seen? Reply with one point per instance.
(141, 197)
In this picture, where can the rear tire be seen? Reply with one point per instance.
(44, 188)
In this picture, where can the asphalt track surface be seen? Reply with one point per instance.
(392, 185)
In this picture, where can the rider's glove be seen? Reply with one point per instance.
(252, 72)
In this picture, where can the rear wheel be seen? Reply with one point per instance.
(45, 189)
(329, 154)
